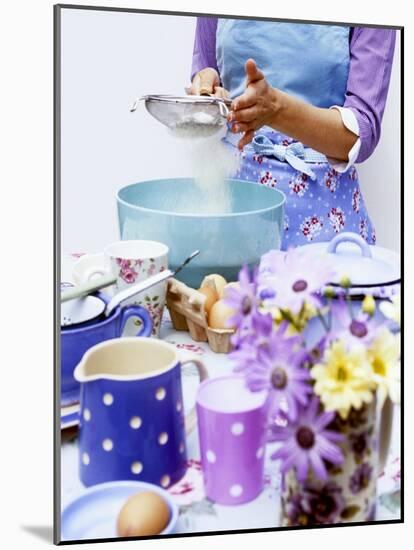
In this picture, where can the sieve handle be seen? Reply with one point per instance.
(224, 110)
(136, 102)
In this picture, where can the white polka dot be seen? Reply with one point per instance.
(107, 445)
(259, 452)
(163, 438)
(179, 406)
(211, 456)
(160, 394)
(108, 399)
(137, 467)
(181, 448)
(85, 458)
(165, 481)
(135, 422)
(87, 415)
(237, 428)
(236, 490)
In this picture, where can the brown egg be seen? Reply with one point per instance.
(143, 514)
(211, 297)
(219, 315)
(218, 280)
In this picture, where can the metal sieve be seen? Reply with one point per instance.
(187, 115)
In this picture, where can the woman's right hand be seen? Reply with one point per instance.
(206, 82)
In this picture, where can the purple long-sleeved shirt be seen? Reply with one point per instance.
(371, 54)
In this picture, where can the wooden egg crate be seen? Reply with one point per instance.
(186, 307)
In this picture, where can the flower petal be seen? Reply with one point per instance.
(318, 466)
(329, 451)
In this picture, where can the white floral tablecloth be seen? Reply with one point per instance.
(197, 513)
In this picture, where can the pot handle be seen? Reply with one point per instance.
(185, 359)
(387, 414)
(141, 313)
(349, 237)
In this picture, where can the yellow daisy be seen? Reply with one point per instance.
(344, 379)
(384, 357)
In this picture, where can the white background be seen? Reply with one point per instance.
(110, 58)
(27, 278)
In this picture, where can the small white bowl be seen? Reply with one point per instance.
(93, 514)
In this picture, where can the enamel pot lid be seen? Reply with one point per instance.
(366, 266)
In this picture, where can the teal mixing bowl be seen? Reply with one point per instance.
(170, 211)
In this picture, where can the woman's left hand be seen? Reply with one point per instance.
(256, 107)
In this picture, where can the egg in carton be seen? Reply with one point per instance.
(187, 311)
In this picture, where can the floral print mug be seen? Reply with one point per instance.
(133, 261)
(349, 494)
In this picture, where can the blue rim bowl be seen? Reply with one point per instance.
(103, 502)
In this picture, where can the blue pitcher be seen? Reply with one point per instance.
(132, 424)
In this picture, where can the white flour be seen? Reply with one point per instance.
(197, 125)
(211, 162)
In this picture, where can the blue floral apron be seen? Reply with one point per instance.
(310, 62)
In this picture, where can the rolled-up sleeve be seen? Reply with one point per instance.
(371, 55)
(204, 53)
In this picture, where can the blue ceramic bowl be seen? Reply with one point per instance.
(93, 514)
(75, 340)
(158, 210)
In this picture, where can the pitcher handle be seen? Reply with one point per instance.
(387, 413)
(185, 359)
(141, 313)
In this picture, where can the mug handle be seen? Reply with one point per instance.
(185, 359)
(387, 414)
(141, 313)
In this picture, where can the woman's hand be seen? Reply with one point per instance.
(261, 105)
(206, 82)
(256, 107)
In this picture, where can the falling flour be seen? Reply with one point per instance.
(212, 162)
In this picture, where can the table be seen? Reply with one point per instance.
(197, 513)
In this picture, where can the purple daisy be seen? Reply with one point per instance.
(242, 299)
(278, 369)
(356, 331)
(293, 280)
(269, 262)
(307, 443)
(249, 339)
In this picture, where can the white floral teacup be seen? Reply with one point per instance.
(132, 262)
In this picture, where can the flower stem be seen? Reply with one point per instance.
(348, 303)
(322, 320)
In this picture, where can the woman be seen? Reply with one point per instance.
(308, 100)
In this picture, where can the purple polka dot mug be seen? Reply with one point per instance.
(232, 428)
(132, 424)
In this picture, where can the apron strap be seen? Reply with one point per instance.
(294, 154)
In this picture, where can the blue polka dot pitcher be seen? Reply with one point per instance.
(132, 419)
